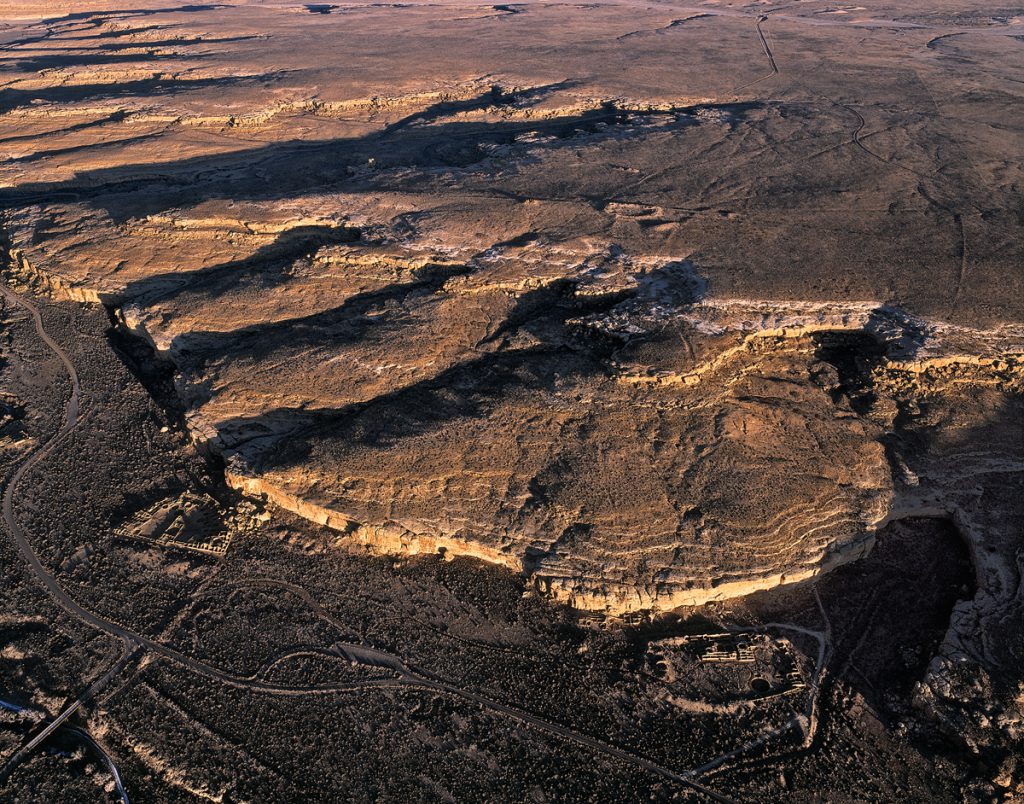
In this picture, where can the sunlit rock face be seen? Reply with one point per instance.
(572, 290)
(549, 456)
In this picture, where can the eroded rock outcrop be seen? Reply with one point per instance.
(605, 331)
(593, 423)
(651, 333)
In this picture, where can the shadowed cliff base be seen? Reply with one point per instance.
(511, 334)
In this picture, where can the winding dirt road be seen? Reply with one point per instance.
(362, 654)
(773, 67)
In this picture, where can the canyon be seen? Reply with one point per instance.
(653, 308)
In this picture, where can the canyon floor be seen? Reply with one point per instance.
(540, 402)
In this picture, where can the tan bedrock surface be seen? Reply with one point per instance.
(634, 298)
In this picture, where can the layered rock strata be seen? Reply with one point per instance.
(587, 301)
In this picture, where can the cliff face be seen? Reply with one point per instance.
(591, 311)
(622, 441)
(612, 495)
(654, 311)
(616, 486)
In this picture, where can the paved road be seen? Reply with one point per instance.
(362, 654)
(118, 783)
(81, 734)
(59, 721)
(379, 658)
(761, 20)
